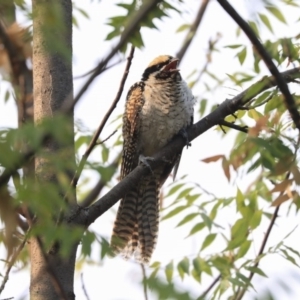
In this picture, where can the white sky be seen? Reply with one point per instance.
(118, 279)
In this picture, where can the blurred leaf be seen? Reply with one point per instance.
(276, 13)
(169, 269)
(266, 21)
(242, 55)
(212, 158)
(183, 27)
(208, 240)
(187, 218)
(196, 228)
(243, 249)
(86, 242)
(183, 267)
(174, 212)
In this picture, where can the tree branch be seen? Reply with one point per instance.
(289, 100)
(176, 145)
(203, 295)
(193, 29)
(226, 108)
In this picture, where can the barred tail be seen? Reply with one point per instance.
(125, 234)
(147, 220)
(136, 227)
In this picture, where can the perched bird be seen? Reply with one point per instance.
(157, 108)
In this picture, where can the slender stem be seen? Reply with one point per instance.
(193, 29)
(144, 281)
(103, 122)
(204, 294)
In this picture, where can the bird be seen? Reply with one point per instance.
(157, 108)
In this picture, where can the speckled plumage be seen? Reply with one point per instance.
(157, 108)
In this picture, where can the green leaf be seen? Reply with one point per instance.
(83, 12)
(184, 267)
(203, 104)
(187, 218)
(6, 96)
(242, 55)
(255, 220)
(276, 13)
(169, 269)
(86, 243)
(257, 271)
(105, 248)
(183, 27)
(233, 46)
(174, 189)
(105, 154)
(243, 249)
(175, 211)
(184, 193)
(197, 228)
(201, 265)
(208, 240)
(289, 257)
(208, 222)
(266, 21)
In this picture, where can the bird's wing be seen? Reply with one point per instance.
(131, 124)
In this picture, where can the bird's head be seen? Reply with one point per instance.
(162, 67)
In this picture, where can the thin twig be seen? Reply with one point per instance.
(233, 126)
(12, 262)
(144, 281)
(211, 46)
(203, 295)
(289, 100)
(101, 126)
(106, 139)
(193, 29)
(93, 70)
(83, 287)
(140, 15)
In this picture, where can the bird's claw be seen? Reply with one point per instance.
(144, 160)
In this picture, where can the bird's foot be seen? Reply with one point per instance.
(182, 132)
(144, 160)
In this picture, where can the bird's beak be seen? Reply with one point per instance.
(172, 66)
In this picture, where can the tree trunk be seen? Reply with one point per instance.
(51, 275)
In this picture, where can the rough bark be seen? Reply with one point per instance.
(51, 275)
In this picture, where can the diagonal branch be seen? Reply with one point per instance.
(176, 145)
(289, 100)
(193, 29)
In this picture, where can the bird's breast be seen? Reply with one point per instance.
(165, 112)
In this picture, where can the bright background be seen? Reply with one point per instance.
(119, 279)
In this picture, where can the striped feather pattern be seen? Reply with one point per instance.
(136, 226)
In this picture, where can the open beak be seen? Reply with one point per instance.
(172, 66)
